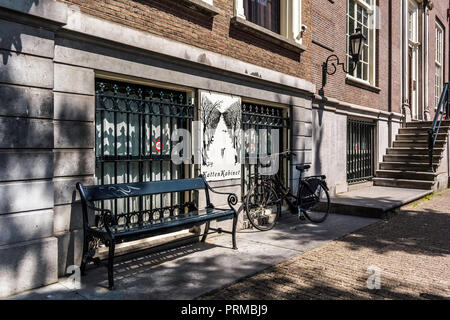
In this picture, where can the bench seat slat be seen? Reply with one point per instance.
(174, 221)
(123, 190)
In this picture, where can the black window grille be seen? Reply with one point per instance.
(360, 150)
(254, 118)
(133, 127)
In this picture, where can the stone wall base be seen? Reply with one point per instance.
(28, 265)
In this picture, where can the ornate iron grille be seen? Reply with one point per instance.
(360, 150)
(133, 126)
(254, 118)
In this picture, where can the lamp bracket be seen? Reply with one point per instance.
(330, 66)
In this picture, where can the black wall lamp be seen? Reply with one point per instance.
(356, 43)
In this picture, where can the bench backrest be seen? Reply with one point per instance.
(124, 190)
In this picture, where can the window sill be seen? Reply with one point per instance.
(361, 84)
(202, 7)
(267, 35)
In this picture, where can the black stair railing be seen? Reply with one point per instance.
(442, 112)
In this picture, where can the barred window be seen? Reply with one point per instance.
(258, 121)
(360, 15)
(133, 127)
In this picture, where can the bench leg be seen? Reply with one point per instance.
(205, 233)
(84, 256)
(235, 219)
(111, 265)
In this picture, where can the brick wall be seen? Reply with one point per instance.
(170, 19)
(328, 36)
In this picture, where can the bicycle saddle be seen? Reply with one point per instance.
(302, 167)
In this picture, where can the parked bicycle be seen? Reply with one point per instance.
(267, 194)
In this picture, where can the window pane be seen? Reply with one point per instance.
(265, 13)
(359, 70)
(365, 72)
(351, 8)
(358, 17)
(351, 26)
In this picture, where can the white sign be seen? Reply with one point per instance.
(221, 116)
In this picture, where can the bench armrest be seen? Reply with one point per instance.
(107, 216)
(232, 197)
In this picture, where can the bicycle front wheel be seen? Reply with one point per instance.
(314, 200)
(262, 207)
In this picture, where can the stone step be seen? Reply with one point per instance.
(419, 136)
(406, 166)
(408, 175)
(417, 143)
(411, 157)
(374, 201)
(403, 183)
(421, 130)
(412, 150)
(425, 124)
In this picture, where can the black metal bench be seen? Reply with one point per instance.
(107, 230)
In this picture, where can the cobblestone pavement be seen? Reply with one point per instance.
(410, 252)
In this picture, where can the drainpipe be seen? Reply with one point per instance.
(426, 105)
(390, 75)
(405, 87)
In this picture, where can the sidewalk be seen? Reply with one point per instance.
(193, 270)
(411, 252)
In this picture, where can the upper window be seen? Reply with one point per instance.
(360, 14)
(265, 13)
(283, 17)
(439, 60)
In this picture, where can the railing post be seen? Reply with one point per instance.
(447, 110)
(430, 149)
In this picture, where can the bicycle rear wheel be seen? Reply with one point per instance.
(314, 200)
(262, 207)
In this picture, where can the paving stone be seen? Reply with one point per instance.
(411, 251)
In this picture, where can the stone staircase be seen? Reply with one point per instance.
(406, 164)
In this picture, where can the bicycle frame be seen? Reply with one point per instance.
(284, 193)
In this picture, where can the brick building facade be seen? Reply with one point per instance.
(59, 57)
(387, 93)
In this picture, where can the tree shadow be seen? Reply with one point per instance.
(281, 283)
(28, 252)
(423, 232)
(11, 41)
(411, 249)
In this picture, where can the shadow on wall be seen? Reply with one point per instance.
(12, 41)
(318, 132)
(30, 265)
